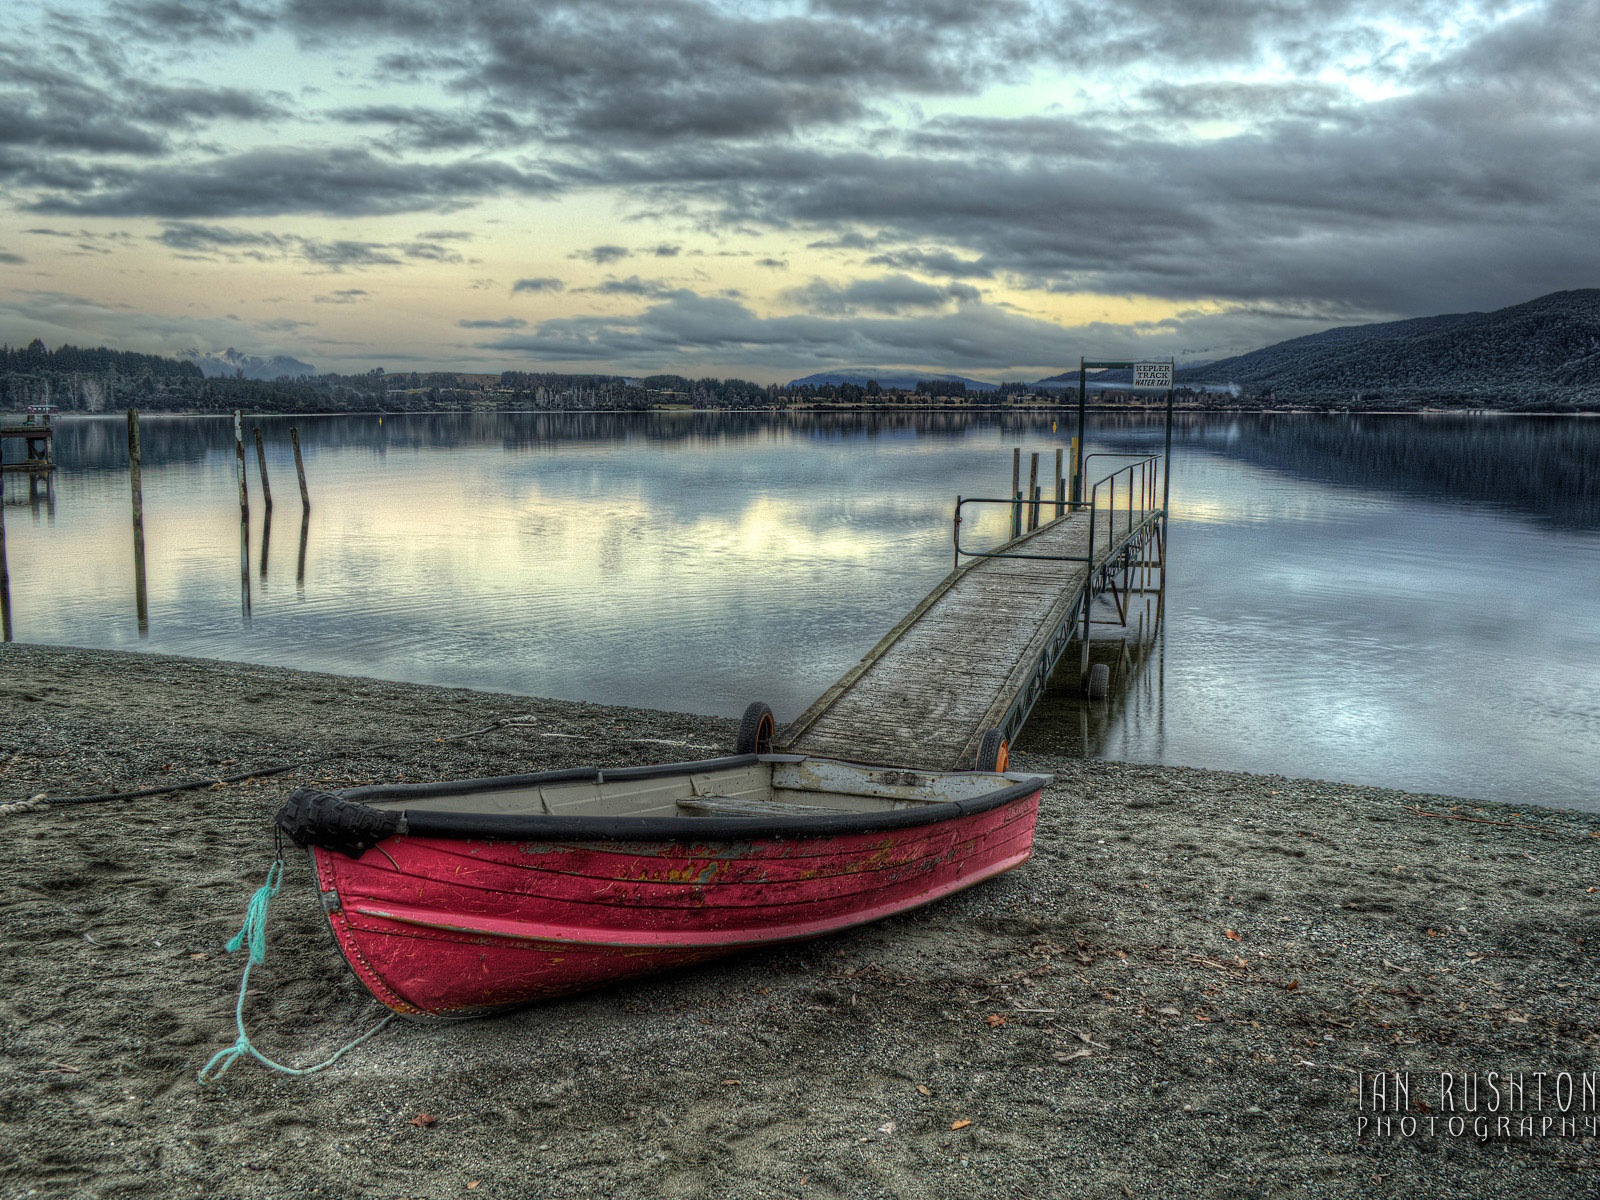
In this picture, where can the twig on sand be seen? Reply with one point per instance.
(1417, 811)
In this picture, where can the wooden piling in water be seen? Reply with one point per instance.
(1033, 491)
(1016, 491)
(244, 564)
(1061, 486)
(238, 446)
(261, 463)
(141, 601)
(300, 468)
(5, 572)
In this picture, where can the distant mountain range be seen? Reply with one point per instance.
(236, 365)
(1545, 353)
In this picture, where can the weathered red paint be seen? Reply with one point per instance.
(437, 927)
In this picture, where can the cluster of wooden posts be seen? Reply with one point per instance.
(136, 487)
(1026, 505)
(36, 434)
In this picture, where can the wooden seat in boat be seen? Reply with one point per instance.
(741, 806)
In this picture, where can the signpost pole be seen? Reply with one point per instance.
(1077, 453)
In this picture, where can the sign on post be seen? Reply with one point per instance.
(1152, 374)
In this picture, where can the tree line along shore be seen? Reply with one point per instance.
(97, 380)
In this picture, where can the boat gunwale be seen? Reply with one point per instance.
(544, 827)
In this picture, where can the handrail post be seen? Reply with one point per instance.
(955, 533)
(1088, 599)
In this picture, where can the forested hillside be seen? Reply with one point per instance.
(1543, 355)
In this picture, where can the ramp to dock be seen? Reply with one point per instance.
(975, 653)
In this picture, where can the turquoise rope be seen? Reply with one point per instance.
(253, 933)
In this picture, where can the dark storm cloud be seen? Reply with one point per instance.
(1545, 58)
(667, 250)
(632, 286)
(83, 95)
(933, 262)
(502, 323)
(28, 168)
(641, 72)
(342, 182)
(601, 255)
(189, 236)
(886, 294)
(87, 241)
(191, 20)
(433, 129)
(541, 283)
(45, 102)
(691, 327)
(1206, 34)
(185, 107)
(1441, 199)
(429, 252)
(943, 14)
(1224, 100)
(333, 255)
(26, 124)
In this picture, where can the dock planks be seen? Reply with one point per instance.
(925, 694)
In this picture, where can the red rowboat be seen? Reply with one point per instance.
(460, 899)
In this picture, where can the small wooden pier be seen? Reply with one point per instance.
(37, 435)
(977, 652)
(955, 680)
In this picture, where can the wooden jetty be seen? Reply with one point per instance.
(976, 653)
(952, 684)
(35, 432)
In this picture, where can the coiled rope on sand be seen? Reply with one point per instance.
(253, 934)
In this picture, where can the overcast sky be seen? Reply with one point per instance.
(769, 189)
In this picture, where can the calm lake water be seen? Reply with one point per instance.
(1404, 601)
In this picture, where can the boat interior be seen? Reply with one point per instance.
(779, 785)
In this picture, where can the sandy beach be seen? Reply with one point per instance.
(1173, 998)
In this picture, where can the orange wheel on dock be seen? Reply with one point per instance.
(755, 730)
(994, 752)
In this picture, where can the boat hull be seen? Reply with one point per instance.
(460, 927)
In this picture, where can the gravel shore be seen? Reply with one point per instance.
(1173, 998)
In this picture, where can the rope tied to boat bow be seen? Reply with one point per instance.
(253, 934)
